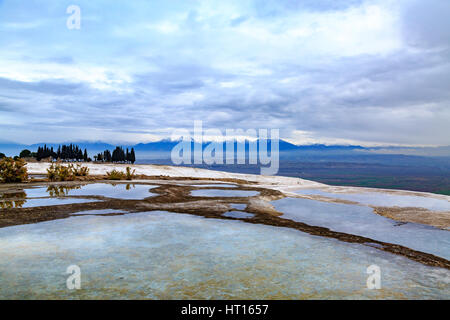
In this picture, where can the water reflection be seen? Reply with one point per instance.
(13, 200)
(60, 194)
(9, 204)
(61, 191)
(109, 190)
(10, 195)
(40, 202)
(126, 191)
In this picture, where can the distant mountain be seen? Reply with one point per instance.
(158, 146)
(414, 151)
(319, 147)
(162, 149)
(167, 145)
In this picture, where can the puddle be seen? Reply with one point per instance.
(28, 203)
(102, 211)
(118, 191)
(238, 214)
(223, 193)
(362, 221)
(238, 206)
(384, 199)
(161, 255)
(55, 194)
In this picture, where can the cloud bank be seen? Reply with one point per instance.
(366, 72)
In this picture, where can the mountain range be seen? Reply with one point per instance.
(162, 149)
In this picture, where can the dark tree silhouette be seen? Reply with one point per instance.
(25, 154)
(44, 152)
(132, 156)
(73, 152)
(118, 155)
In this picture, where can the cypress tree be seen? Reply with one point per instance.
(115, 155)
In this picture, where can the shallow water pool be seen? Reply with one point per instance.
(109, 190)
(362, 221)
(28, 203)
(161, 255)
(384, 199)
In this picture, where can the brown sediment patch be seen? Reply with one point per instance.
(438, 219)
(262, 206)
(262, 203)
(176, 198)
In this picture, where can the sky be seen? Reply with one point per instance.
(373, 72)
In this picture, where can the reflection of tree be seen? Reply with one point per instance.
(60, 191)
(13, 200)
(19, 194)
(9, 204)
(127, 186)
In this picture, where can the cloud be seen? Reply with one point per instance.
(368, 72)
(44, 87)
(426, 23)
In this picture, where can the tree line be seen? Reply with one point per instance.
(73, 152)
(118, 155)
(65, 152)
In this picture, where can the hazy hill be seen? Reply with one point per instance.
(162, 149)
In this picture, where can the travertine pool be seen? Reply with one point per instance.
(361, 220)
(162, 255)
